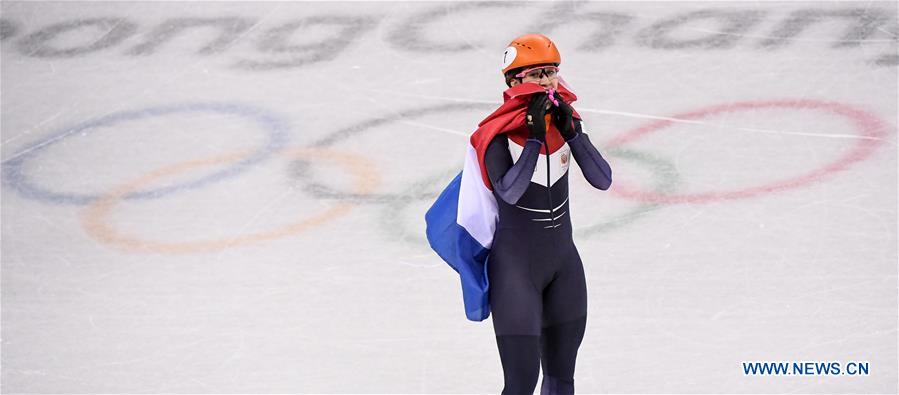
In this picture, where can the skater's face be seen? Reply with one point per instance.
(546, 76)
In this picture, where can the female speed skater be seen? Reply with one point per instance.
(504, 222)
(538, 293)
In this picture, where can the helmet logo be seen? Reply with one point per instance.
(509, 56)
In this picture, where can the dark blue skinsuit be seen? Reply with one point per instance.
(538, 293)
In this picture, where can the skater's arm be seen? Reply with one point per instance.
(596, 170)
(510, 181)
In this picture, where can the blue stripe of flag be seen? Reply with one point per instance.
(460, 250)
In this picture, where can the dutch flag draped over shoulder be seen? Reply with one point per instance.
(462, 221)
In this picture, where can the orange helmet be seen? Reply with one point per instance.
(530, 49)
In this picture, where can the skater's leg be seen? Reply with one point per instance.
(564, 321)
(516, 310)
(520, 356)
(559, 345)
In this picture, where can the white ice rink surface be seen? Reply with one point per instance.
(229, 197)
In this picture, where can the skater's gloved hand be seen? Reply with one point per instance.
(534, 118)
(564, 120)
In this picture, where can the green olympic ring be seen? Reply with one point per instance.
(665, 177)
(666, 180)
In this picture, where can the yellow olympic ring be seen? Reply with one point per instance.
(94, 217)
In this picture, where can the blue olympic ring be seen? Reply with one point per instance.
(276, 128)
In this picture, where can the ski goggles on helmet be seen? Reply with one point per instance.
(538, 72)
